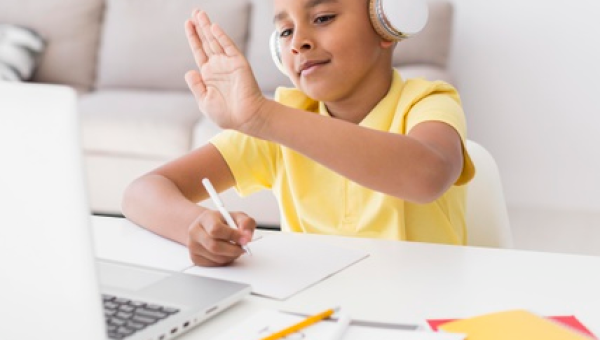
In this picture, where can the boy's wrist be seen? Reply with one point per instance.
(259, 126)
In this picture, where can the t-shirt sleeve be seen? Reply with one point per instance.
(443, 105)
(252, 161)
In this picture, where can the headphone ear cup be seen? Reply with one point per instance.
(396, 20)
(276, 51)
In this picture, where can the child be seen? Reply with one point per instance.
(352, 150)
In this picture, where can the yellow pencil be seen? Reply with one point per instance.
(302, 324)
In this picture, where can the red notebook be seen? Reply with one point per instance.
(568, 320)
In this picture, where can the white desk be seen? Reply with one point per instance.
(402, 282)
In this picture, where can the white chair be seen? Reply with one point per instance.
(486, 213)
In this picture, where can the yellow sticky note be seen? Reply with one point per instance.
(513, 325)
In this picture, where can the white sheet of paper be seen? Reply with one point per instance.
(126, 242)
(282, 264)
(266, 322)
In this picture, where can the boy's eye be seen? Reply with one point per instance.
(285, 33)
(325, 18)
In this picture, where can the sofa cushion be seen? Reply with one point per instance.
(432, 44)
(144, 45)
(71, 29)
(151, 125)
(108, 176)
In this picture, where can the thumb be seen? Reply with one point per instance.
(196, 84)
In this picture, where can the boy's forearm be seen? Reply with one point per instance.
(156, 204)
(394, 164)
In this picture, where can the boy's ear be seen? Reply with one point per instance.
(385, 44)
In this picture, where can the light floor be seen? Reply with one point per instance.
(556, 231)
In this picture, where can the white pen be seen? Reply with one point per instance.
(221, 207)
(340, 327)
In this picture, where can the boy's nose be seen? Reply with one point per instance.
(300, 44)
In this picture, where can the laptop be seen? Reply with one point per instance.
(51, 285)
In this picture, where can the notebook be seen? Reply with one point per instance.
(512, 324)
(567, 320)
(51, 286)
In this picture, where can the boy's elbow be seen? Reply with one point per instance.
(433, 183)
(130, 197)
(126, 200)
(429, 192)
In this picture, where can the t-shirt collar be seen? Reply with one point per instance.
(381, 116)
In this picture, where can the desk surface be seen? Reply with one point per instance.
(404, 282)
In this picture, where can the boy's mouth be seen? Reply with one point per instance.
(310, 66)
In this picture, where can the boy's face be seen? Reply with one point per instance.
(329, 47)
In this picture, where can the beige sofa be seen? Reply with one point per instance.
(127, 59)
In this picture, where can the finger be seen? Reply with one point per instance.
(246, 226)
(206, 26)
(198, 28)
(215, 227)
(202, 245)
(225, 41)
(203, 28)
(201, 257)
(215, 45)
(195, 43)
(218, 248)
(196, 84)
(221, 231)
(203, 262)
(198, 253)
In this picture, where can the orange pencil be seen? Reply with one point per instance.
(302, 324)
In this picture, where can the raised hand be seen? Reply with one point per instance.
(224, 86)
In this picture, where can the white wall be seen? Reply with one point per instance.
(529, 76)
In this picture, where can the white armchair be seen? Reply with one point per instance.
(487, 216)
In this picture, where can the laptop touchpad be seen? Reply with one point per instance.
(125, 277)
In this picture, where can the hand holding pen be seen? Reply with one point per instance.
(221, 207)
(212, 242)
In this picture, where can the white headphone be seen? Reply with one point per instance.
(393, 20)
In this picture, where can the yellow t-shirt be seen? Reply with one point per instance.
(314, 199)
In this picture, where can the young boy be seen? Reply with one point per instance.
(352, 150)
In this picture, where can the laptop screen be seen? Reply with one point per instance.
(46, 253)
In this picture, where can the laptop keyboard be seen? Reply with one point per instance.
(125, 317)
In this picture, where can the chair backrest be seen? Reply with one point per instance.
(486, 213)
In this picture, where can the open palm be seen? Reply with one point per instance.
(224, 85)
